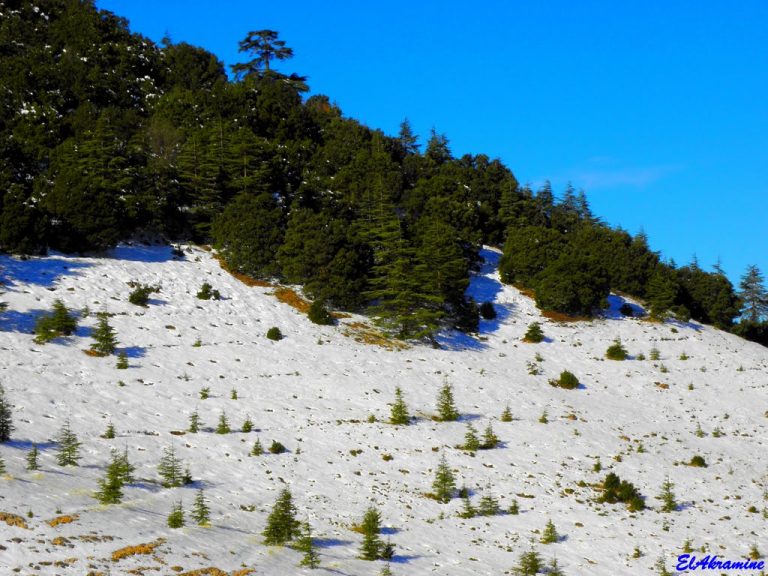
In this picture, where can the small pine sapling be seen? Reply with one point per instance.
(194, 422)
(667, 496)
(32, 463)
(200, 512)
(471, 441)
(122, 361)
(69, 447)
(446, 409)
(282, 525)
(223, 426)
(247, 425)
(544, 418)
(305, 544)
(554, 568)
(109, 433)
(490, 440)
(6, 417)
(444, 484)
(514, 508)
(399, 413)
(2, 465)
(467, 510)
(105, 341)
(506, 416)
(530, 563)
(111, 486)
(550, 535)
(176, 517)
(371, 547)
(257, 449)
(488, 505)
(205, 393)
(233, 394)
(170, 468)
(534, 334)
(616, 351)
(126, 468)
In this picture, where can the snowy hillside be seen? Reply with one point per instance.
(315, 392)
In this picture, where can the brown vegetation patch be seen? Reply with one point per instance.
(367, 335)
(62, 520)
(147, 548)
(60, 541)
(13, 520)
(291, 297)
(205, 572)
(662, 385)
(244, 572)
(244, 278)
(94, 353)
(562, 317)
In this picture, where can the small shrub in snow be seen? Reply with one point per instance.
(194, 422)
(490, 440)
(655, 354)
(208, 293)
(371, 547)
(319, 314)
(306, 545)
(274, 333)
(205, 393)
(140, 294)
(277, 448)
(58, 323)
(616, 351)
(698, 462)
(109, 434)
(566, 380)
(617, 490)
(257, 449)
(247, 425)
(122, 361)
(530, 563)
(534, 334)
(667, 497)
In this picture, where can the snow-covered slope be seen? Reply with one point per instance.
(315, 390)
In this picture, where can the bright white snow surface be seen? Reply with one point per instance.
(315, 390)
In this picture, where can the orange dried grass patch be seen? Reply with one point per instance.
(291, 297)
(562, 317)
(147, 548)
(13, 520)
(244, 278)
(205, 572)
(367, 335)
(62, 520)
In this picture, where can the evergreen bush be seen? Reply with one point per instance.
(6, 417)
(566, 380)
(274, 333)
(60, 322)
(282, 526)
(319, 314)
(207, 292)
(140, 293)
(487, 311)
(616, 351)
(104, 336)
(446, 409)
(399, 412)
(534, 334)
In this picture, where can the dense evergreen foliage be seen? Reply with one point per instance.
(104, 133)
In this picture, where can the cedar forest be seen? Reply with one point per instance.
(104, 135)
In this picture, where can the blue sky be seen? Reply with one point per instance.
(656, 109)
